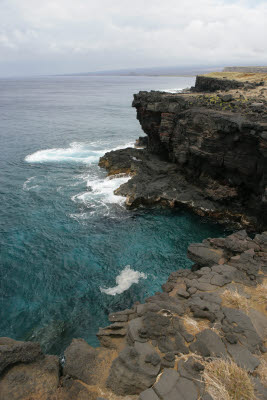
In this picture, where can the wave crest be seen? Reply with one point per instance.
(76, 152)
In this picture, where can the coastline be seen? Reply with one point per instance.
(158, 350)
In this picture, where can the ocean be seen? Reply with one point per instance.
(70, 252)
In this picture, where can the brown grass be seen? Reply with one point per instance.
(193, 326)
(225, 380)
(239, 76)
(261, 372)
(260, 293)
(233, 299)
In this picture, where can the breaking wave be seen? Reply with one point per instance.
(76, 152)
(102, 189)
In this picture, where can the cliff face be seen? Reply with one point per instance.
(217, 142)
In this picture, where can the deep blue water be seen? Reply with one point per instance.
(64, 237)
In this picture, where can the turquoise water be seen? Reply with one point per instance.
(70, 251)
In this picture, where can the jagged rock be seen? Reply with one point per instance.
(132, 372)
(165, 344)
(80, 359)
(135, 333)
(35, 380)
(156, 325)
(208, 84)
(168, 360)
(180, 346)
(224, 147)
(12, 352)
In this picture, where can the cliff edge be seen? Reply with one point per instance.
(205, 151)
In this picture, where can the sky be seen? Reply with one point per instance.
(73, 36)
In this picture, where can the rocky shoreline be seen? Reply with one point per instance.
(160, 350)
(206, 152)
(209, 319)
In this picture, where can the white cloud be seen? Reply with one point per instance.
(89, 35)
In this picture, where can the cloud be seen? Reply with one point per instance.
(85, 35)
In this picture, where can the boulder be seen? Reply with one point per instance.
(135, 369)
(13, 352)
(37, 380)
(80, 360)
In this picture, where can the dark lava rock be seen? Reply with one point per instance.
(208, 344)
(36, 380)
(243, 357)
(132, 372)
(209, 84)
(204, 255)
(241, 325)
(173, 387)
(80, 359)
(12, 352)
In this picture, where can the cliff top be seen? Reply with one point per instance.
(239, 76)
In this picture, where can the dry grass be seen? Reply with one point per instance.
(233, 299)
(193, 326)
(261, 372)
(239, 76)
(225, 380)
(260, 293)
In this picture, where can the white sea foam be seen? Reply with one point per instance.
(27, 185)
(124, 281)
(102, 190)
(172, 90)
(76, 152)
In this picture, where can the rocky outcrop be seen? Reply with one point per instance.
(216, 310)
(194, 320)
(207, 153)
(13, 352)
(208, 84)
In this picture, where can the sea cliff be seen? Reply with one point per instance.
(206, 152)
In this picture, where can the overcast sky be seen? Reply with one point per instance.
(65, 36)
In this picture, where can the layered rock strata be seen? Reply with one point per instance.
(204, 152)
(158, 350)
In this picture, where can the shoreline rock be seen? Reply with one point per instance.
(159, 349)
(205, 152)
